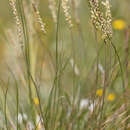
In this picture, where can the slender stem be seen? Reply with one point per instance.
(52, 104)
(122, 74)
(17, 103)
(57, 36)
(5, 108)
(97, 61)
(126, 57)
(27, 53)
(17, 97)
(73, 56)
(105, 79)
(126, 68)
(56, 90)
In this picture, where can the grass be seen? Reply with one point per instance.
(67, 73)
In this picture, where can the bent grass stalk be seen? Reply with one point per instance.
(17, 97)
(38, 95)
(104, 83)
(122, 74)
(5, 106)
(28, 57)
(52, 98)
(56, 84)
(26, 54)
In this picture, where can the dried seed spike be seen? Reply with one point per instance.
(65, 6)
(39, 19)
(101, 22)
(18, 22)
(108, 17)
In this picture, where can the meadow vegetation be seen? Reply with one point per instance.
(64, 65)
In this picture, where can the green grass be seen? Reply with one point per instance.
(50, 81)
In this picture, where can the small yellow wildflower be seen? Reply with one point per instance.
(111, 97)
(36, 101)
(99, 92)
(119, 24)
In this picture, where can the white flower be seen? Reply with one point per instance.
(84, 103)
(38, 119)
(76, 70)
(20, 118)
(101, 68)
(39, 122)
(30, 126)
(25, 116)
(91, 107)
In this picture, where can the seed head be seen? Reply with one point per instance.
(100, 21)
(66, 9)
(39, 19)
(18, 21)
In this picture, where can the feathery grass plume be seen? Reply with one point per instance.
(39, 19)
(18, 22)
(52, 7)
(101, 22)
(66, 10)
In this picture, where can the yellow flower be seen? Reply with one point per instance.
(36, 101)
(111, 97)
(119, 24)
(99, 92)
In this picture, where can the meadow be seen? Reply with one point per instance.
(64, 65)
